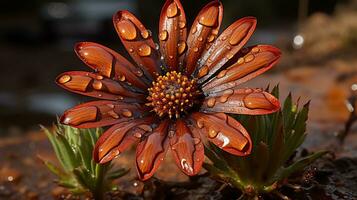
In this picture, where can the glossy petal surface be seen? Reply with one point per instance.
(94, 85)
(258, 60)
(137, 41)
(110, 64)
(241, 101)
(151, 151)
(225, 47)
(187, 148)
(203, 33)
(101, 113)
(119, 137)
(172, 33)
(225, 132)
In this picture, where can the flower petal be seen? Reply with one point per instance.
(187, 149)
(110, 64)
(258, 60)
(138, 42)
(172, 33)
(119, 137)
(203, 33)
(101, 113)
(151, 151)
(225, 132)
(241, 101)
(94, 85)
(225, 47)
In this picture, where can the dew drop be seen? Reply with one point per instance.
(145, 34)
(182, 24)
(229, 56)
(210, 38)
(212, 133)
(255, 50)
(196, 141)
(211, 102)
(138, 72)
(181, 47)
(199, 124)
(172, 10)
(127, 30)
(131, 50)
(98, 85)
(195, 49)
(163, 35)
(240, 61)
(200, 39)
(127, 113)
(194, 30)
(203, 71)
(144, 50)
(137, 135)
(110, 106)
(121, 78)
(209, 17)
(99, 77)
(113, 114)
(222, 74)
(249, 58)
(64, 79)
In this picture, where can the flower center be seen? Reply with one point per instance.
(172, 94)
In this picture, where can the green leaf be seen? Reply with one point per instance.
(298, 165)
(118, 173)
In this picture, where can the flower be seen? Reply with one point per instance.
(179, 92)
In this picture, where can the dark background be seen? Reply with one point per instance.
(37, 38)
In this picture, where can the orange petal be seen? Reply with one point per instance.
(110, 64)
(119, 137)
(137, 41)
(94, 85)
(151, 151)
(203, 33)
(187, 149)
(258, 60)
(225, 47)
(101, 113)
(172, 33)
(225, 132)
(241, 101)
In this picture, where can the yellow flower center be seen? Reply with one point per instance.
(172, 94)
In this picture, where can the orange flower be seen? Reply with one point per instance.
(177, 93)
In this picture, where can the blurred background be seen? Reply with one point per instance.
(37, 38)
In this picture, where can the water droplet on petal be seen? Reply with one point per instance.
(137, 135)
(144, 50)
(194, 30)
(200, 39)
(113, 114)
(121, 78)
(127, 30)
(203, 71)
(240, 61)
(127, 113)
(255, 50)
(163, 35)
(99, 77)
(222, 74)
(211, 102)
(196, 141)
(181, 47)
(212, 133)
(172, 10)
(182, 24)
(249, 58)
(209, 17)
(210, 38)
(145, 34)
(257, 101)
(64, 79)
(199, 124)
(195, 49)
(97, 85)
